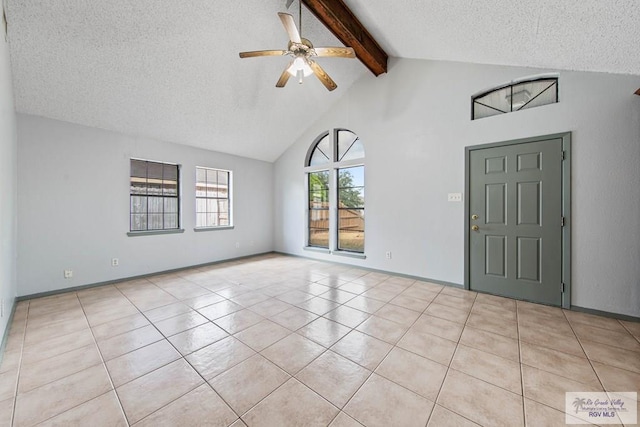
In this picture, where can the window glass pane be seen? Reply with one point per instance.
(319, 237)
(319, 218)
(201, 182)
(223, 178)
(155, 204)
(138, 222)
(201, 205)
(351, 187)
(498, 99)
(154, 186)
(212, 205)
(223, 205)
(351, 230)
(155, 221)
(351, 177)
(170, 220)
(322, 153)
(170, 188)
(138, 185)
(351, 197)
(545, 92)
(170, 205)
(201, 220)
(170, 172)
(138, 204)
(349, 240)
(139, 168)
(154, 170)
(349, 146)
(319, 180)
(212, 219)
(480, 111)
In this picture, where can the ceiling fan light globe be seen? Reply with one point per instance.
(299, 64)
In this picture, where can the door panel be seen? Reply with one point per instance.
(516, 192)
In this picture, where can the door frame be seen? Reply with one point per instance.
(566, 207)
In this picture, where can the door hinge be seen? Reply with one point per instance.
(562, 221)
(562, 287)
(564, 155)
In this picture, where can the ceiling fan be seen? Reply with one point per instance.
(302, 52)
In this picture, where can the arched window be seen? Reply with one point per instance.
(335, 183)
(515, 96)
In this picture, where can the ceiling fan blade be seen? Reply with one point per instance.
(340, 52)
(290, 26)
(322, 76)
(284, 77)
(255, 53)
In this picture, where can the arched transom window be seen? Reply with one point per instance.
(518, 95)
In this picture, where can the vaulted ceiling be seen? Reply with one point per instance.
(170, 70)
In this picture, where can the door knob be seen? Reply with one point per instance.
(475, 228)
(474, 216)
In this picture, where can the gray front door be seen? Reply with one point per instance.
(515, 220)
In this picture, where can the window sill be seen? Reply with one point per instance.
(226, 227)
(349, 254)
(314, 249)
(339, 253)
(154, 232)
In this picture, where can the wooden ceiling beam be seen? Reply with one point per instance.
(638, 92)
(337, 17)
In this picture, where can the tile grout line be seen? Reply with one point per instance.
(104, 364)
(588, 358)
(16, 387)
(326, 349)
(449, 365)
(389, 352)
(182, 357)
(102, 361)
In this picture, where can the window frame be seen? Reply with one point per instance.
(229, 199)
(177, 197)
(333, 166)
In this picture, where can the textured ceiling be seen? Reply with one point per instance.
(583, 35)
(170, 70)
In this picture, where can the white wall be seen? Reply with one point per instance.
(8, 187)
(415, 123)
(73, 205)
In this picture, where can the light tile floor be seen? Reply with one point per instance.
(279, 341)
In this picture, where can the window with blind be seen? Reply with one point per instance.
(154, 196)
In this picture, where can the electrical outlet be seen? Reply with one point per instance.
(237, 244)
(454, 197)
(115, 262)
(387, 255)
(68, 274)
